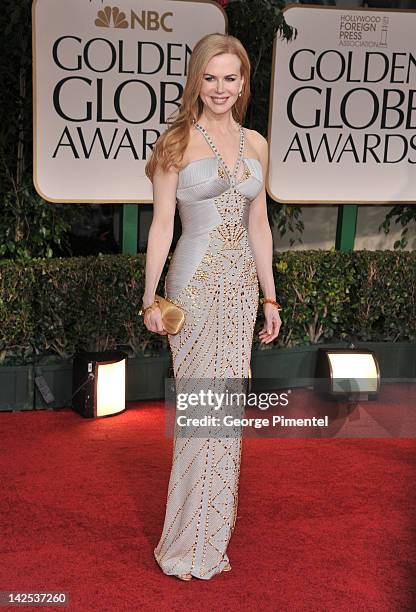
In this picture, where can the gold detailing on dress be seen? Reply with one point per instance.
(230, 174)
(221, 172)
(246, 173)
(232, 234)
(220, 298)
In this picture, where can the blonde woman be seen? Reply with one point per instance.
(214, 170)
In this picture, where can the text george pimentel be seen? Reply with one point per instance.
(231, 421)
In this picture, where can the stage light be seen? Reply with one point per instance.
(99, 383)
(352, 372)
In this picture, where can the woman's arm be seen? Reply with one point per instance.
(260, 238)
(259, 231)
(161, 230)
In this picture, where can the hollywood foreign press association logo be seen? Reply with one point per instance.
(111, 17)
(360, 29)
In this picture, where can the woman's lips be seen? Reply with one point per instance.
(219, 100)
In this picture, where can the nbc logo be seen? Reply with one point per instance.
(114, 15)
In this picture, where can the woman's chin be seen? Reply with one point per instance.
(219, 108)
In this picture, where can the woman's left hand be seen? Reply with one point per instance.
(272, 324)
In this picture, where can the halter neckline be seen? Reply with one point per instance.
(232, 175)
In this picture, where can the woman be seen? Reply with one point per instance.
(215, 170)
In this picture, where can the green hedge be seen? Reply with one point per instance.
(55, 307)
(17, 281)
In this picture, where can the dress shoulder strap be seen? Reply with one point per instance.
(231, 174)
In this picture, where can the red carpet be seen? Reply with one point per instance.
(324, 524)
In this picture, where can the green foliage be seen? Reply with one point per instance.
(53, 308)
(403, 214)
(314, 287)
(386, 300)
(29, 226)
(17, 284)
(91, 303)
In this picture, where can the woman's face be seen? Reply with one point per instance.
(221, 83)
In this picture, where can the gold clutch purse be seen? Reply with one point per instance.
(173, 317)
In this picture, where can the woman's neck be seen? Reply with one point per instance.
(222, 124)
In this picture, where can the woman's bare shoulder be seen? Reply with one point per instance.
(194, 147)
(257, 141)
(256, 138)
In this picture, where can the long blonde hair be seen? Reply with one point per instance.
(171, 145)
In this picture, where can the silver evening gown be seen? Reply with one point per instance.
(213, 276)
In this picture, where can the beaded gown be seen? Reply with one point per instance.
(213, 277)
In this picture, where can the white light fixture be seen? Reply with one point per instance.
(99, 383)
(352, 372)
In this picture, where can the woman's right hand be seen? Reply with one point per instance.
(153, 321)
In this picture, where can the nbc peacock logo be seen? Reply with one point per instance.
(111, 17)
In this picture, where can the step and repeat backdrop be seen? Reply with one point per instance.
(342, 117)
(342, 123)
(106, 77)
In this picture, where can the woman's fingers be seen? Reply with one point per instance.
(270, 330)
(153, 322)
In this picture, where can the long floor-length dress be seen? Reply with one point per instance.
(213, 276)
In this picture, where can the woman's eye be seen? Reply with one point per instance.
(228, 78)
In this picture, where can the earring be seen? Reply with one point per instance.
(239, 95)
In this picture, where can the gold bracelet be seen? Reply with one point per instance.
(270, 301)
(143, 311)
